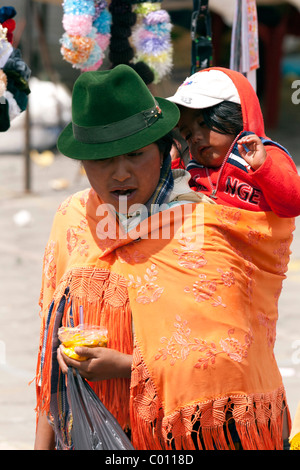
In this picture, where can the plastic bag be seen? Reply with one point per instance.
(94, 427)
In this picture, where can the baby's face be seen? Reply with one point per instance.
(207, 147)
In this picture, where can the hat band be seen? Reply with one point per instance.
(117, 130)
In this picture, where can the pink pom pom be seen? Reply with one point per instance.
(144, 34)
(77, 25)
(93, 67)
(102, 40)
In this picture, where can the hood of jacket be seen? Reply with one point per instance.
(251, 110)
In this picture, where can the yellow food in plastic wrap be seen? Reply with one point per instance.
(81, 335)
(295, 442)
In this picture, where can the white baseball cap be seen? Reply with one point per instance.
(204, 89)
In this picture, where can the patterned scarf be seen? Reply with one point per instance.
(163, 189)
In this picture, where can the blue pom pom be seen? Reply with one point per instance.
(6, 13)
(160, 29)
(103, 22)
(79, 7)
(95, 55)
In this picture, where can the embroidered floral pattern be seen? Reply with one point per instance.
(254, 236)
(49, 264)
(249, 271)
(74, 241)
(227, 277)
(205, 290)
(84, 197)
(228, 216)
(190, 256)
(147, 291)
(282, 252)
(236, 350)
(64, 205)
(180, 345)
(270, 326)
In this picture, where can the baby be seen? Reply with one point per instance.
(232, 160)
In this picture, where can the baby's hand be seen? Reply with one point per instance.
(257, 152)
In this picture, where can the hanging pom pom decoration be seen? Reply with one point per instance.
(87, 32)
(121, 50)
(7, 21)
(152, 38)
(14, 73)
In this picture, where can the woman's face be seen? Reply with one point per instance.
(207, 147)
(133, 176)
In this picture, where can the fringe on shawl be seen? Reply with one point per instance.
(104, 298)
(252, 422)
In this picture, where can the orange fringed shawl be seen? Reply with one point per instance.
(204, 310)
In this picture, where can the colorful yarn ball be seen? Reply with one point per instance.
(76, 49)
(103, 22)
(102, 40)
(87, 26)
(82, 7)
(74, 57)
(10, 25)
(160, 29)
(155, 17)
(152, 39)
(146, 7)
(150, 43)
(77, 25)
(93, 67)
(100, 5)
(154, 45)
(6, 13)
(161, 64)
(96, 54)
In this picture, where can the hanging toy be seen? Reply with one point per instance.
(87, 26)
(152, 38)
(14, 73)
(7, 21)
(121, 50)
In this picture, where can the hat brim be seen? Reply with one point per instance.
(200, 102)
(72, 148)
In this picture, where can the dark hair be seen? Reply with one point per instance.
(225, 118)
(165, 143)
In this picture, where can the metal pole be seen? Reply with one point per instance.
(27, 57)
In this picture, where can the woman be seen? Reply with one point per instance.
(186, 288)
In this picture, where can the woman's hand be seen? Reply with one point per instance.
(257, 152)
(102, 363)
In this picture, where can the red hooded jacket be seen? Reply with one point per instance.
(275, 186)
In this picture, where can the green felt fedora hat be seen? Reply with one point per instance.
(113, 113)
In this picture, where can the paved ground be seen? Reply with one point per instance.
(25, 222)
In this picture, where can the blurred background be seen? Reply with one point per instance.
(35, 177)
